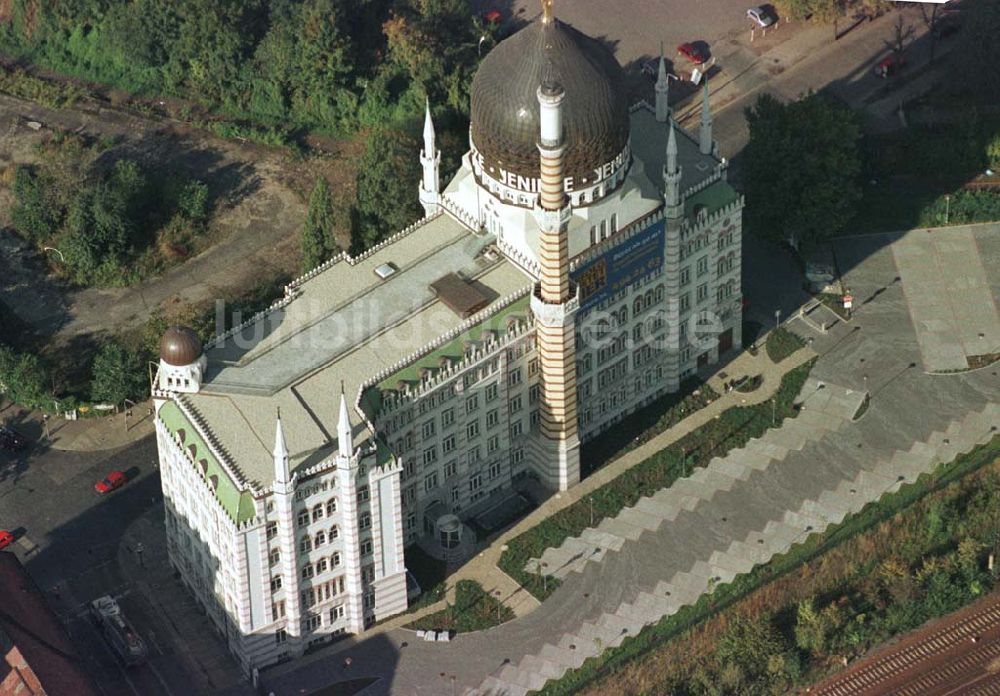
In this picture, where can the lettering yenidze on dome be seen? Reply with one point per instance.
(620, 266)
(525, 184)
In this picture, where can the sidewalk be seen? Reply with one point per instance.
(179, 618)
(86, 434)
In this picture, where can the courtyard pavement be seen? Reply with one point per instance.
(724, 519)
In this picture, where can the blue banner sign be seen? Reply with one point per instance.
(620, 266)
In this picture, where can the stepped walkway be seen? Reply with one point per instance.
(736, 513)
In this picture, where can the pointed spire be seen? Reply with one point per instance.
(671, 167)
(705, 130)
(345, 442)
(547, 13)
(662, 90)
(281, 469)
(428, 131)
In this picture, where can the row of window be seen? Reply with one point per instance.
(317, 513)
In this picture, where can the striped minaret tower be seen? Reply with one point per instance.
(674, 213)
(554, 301)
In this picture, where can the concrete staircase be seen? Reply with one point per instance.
(863, 482)
(825, 408)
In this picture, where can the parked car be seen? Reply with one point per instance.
(6, 538)
(890, 65)
(692, 53)
(113, 481)
(12, 440)
(948, 25)
(492, 17)
(760, 16)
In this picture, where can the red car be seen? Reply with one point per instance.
(6, 538)
(493, 17)
(116, 479)
(692, 53)
(890, 65)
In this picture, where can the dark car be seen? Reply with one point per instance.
(692, 53)
(114, 480)
(6, 539)
(12, 440)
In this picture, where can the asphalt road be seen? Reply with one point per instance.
(68, 537)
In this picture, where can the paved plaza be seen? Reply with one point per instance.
(949, 294)
(739, 511)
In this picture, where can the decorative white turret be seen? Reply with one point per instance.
(662, 90)
(345, 443)
(430, 161)
(705, 143)
(182, 361)
(672, 177)
(282, 472)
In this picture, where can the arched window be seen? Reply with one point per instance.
(275, 557)
(305, 545)
(334, 532)
(303, 518)
(637, 305)
(317, 512)
(331, 507)
(320, 538)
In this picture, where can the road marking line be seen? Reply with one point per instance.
(159, 678)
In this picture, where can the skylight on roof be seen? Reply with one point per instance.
(385, 270)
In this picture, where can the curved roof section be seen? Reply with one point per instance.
(505, 118)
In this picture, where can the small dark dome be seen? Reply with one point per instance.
(180, 345)
(504, 99)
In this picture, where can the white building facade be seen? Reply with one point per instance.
(583, 262)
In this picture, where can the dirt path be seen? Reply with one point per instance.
(259, 207)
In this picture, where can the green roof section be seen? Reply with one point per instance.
(455, 349)
(238, 504)
(713, 197)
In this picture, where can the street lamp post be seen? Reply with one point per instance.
(138, 552)
(774, 410)
(480, 48)
(947, 208)
(591, 511)
(777, 319)
(497, 593)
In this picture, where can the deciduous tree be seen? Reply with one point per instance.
(801, 168)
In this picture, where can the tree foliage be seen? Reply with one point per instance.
(980, 54)
(387, 179)
(99, 219)
(801, 169)
(318, 230)
(23, 379)
(117, 375)
(312, 63)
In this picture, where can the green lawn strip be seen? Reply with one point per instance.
(645, 424)
(474, 610)
(742, 586)
(781, 343)
(732, 429)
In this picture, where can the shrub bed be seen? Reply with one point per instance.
(781, 343)
(474, 610)
(732, 429)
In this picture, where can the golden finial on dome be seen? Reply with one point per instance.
(546, 11)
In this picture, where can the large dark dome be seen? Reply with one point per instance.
(180, 346)
(505, 102)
